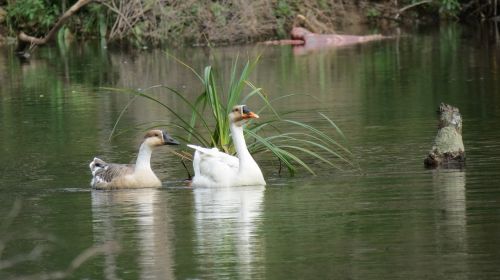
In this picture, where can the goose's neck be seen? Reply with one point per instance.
(240, 144)
(144, 157)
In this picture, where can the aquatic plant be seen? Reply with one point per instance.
(296, 144)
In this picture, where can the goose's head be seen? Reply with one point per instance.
(240, 114)
(158, 137)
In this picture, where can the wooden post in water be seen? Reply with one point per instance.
(448, 149)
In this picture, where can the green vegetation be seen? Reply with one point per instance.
(450, 7)
(34, 16)
(294, 143)
(220, 22)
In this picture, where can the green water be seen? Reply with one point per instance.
(396, 220)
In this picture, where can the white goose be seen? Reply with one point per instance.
(213, 168)
(139, 175)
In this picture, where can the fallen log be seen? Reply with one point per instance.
(314, 40)
(448, 149)
(304, 40)
(285, 42)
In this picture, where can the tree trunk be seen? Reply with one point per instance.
(448, 149)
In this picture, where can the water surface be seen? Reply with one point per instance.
(393, 220)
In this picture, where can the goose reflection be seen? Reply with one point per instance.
(139, 221)
(226, 222)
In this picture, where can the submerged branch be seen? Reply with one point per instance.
(37, 251)
(106, 248)
(33, 255)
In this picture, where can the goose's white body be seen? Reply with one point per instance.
(138, 175)
(213, 168)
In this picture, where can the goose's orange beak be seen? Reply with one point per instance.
(250, 115)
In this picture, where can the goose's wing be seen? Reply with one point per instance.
(213, 167)
(103, 173)
(216, 155)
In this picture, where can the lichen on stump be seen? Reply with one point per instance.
(448, 149)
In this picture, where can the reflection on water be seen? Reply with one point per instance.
(227, 223)
(138, 217)
(449, 189)
(225, 231)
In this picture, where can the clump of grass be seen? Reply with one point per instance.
(297, 145)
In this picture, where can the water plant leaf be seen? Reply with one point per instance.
(334, 125)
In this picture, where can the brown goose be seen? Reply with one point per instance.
(139, 175)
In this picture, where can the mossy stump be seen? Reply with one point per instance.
(448, 150)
